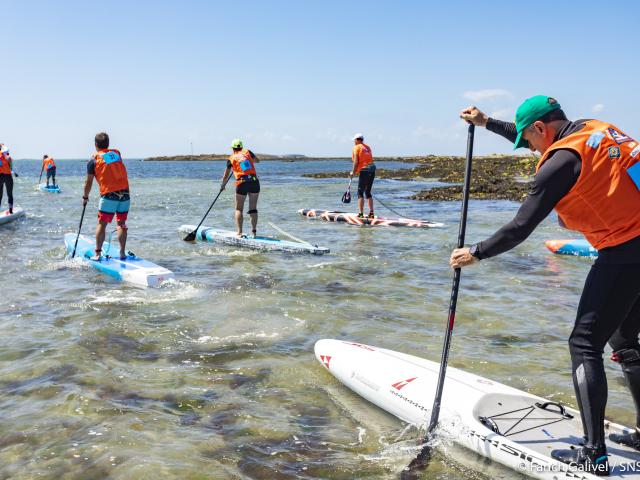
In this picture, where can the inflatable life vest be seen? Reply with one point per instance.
(243, 166)
(363, 154)
(111, 174)
(48, 163)
(604, 204)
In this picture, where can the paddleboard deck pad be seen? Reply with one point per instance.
(577, 246)
(51, 188)
(498, 422)
(227, 237)
(132, 269)
(6, 217)
(352, 219)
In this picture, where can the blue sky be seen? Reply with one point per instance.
(303, 76)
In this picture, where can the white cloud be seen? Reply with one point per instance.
(488, 94)
(506, 114)
(598, 107)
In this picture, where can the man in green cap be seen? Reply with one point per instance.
(241, 163)
(590, 173)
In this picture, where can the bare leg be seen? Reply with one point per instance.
(239, 207)
(370, 201)
(122, 238)
(253, 204)
(101, 229)
(360, 204)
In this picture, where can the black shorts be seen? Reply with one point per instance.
(51, 172)
(365, 181)
(248, 186)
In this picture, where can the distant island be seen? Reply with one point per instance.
(212, 157)
(494, 177)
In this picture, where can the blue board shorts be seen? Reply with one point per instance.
(51, 172)
(115, 203)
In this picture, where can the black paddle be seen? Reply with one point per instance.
(192, 236)
(422, 460)
(84, 207)
(40, 179)
(346, 197)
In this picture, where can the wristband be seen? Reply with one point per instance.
(85, 198)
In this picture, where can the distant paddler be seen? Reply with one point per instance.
(242, 163)
(590, 173)
(49, 166)
(365, 168)
(108, 169)
(6, 180)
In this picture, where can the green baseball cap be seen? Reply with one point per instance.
(532, 109)
(237, 143)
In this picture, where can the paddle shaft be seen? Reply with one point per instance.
(210, 207)
(40, 179)
(435, 412)
(84, 207)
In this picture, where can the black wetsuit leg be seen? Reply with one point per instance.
(7, 180)
(365, 182)
(626, 349)
(607, 310)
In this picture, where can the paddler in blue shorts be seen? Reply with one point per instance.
(107, 167)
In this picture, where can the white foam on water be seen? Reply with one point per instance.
(170, 291)
(208, 339)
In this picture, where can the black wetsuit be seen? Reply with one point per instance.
(6, 180)
(609, 308)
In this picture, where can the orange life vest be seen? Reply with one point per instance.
(48, 163)
(5, 164)
(111, 174)
(604, 204)
(362, 153)
(243, 166)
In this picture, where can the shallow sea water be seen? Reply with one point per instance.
(213, 376)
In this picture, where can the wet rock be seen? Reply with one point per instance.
(495, 177)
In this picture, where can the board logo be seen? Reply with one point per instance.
(403, 383)
(325, 359)
(614, 152)
(360, 345)
(618, 136)
(634, 153)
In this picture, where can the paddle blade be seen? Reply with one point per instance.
(418, 464)
(190, 237)
(346, 197)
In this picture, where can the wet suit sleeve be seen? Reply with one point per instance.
(91, 167)
(552, 182)
(229, 164)
(504, 129)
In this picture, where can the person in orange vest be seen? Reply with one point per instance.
(590, 173)
(6, 169)
(365, 168)
(49, 165)
(108, 169)
(242, 163)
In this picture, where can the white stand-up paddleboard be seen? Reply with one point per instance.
(259, 243)
(353, 219)
(6, 217)
(506, 425)
(132, 269)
